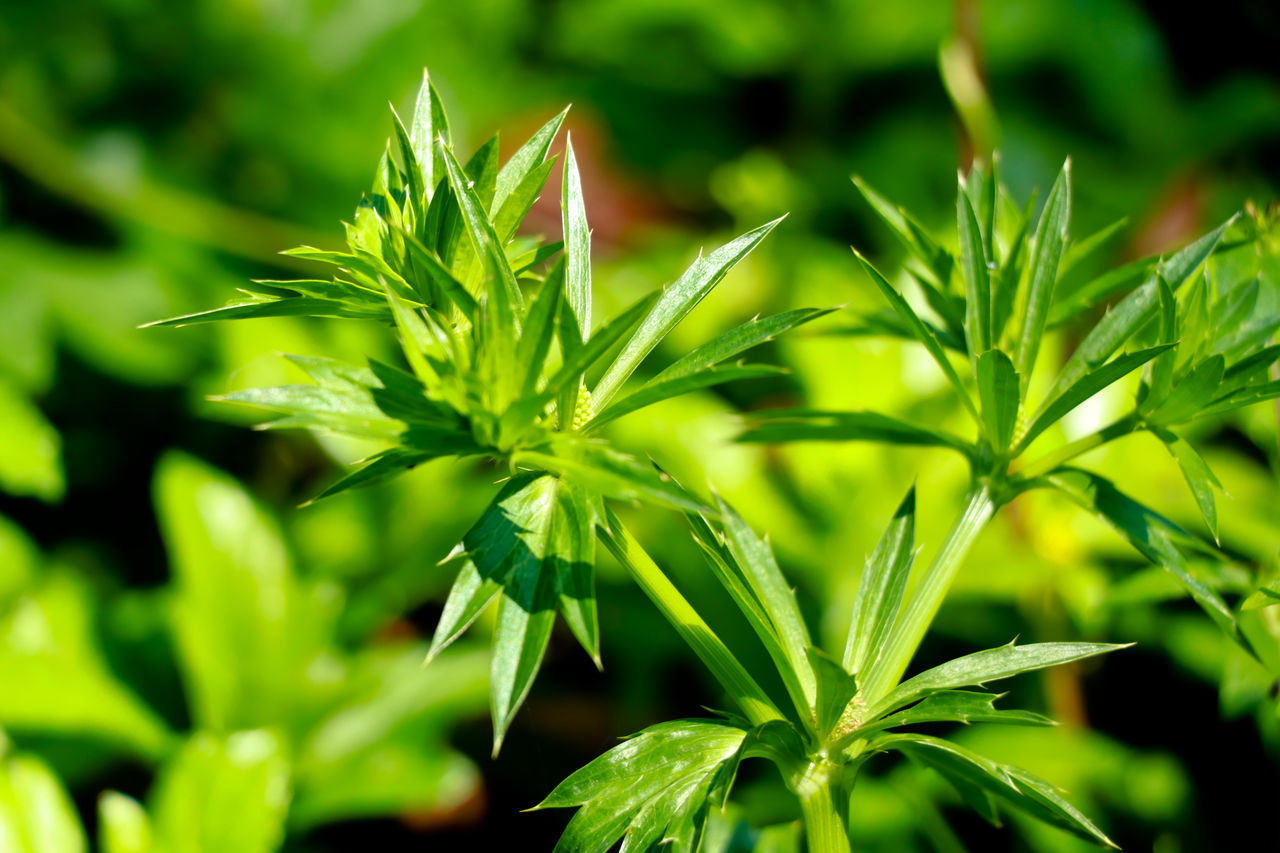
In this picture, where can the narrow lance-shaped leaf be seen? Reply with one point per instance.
(577, 243)
(917, 241)
(660, 389)
(919, 330)
(956, 706)
(977, 278)
(672, 306)
(1133, 312)
(836, 688)
(524, 163)
(1051, 237)
(884, 579)
(990, 665)
(781, 425)
(1015, 786)
(737, 340)
(1054, 409)
(998, 391)
(1162, 368)
(505, 295)
(429, 124)
(572, 560)
(1199, 476)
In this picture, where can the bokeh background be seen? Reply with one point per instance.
(174, 627)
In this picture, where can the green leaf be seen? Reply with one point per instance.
(245, 774)
(123, 824)
(36, 814)
(1198, 475)
(737, 340)
(489, 550)
(1192, 394)
(393, 462)
(919, 330)
(977, 277)
(836, 688)
(539, 330)
(1014, 786)
(672, 306)
(780, 425)
(998, 392)
(613, 474)
(1154, 536)
(429, 124)
(1055, 408)
(30, 448)
(1267, 595)
(659, 389)
(415, 171)
(776, 597)
(246, 629)
(667, 774)
(503, 296)
(1133, 312)
(881, 588)
(912, 235)
(991, 665)
(520, 172)
(572, 552)
(955, 706)
(441, 277)
(1051, 236)
(577, 243)
(1161, 382)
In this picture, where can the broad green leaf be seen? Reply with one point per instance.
(36, 814)
(223, 793)
(57, 683)
(781, 425)
(977, 278)
(30, 448)
(955, 706)
(1200, 478)
(918, 330)
(1051, 236)
(991, 665)
(382, 752)
(659, 388)
(1133, 312)
(1014, 786)
(775, 595)
(884, 579)
(998, 392)
(123, 824)
(1055, 408)
(1154, 536)
(247, 630)
(644, 784)
(737, 340)
(577, 243)
(672, 306)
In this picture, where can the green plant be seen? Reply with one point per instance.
(504, 364)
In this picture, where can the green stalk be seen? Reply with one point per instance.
(731, 674)
(1067, 452)
(824, 828)
(927, 597)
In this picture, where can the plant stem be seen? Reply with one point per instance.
(824, 828)
(754, 702)
(1065, 454)
(924, 602)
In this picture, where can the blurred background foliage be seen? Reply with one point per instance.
(240, 673)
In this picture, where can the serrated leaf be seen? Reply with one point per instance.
(1055, 408)
(1154, 536)
(671, 307)
(880, 590)
(998, 391)
(658, 389)
(737, 340)
(991, 665)
(1012, 785)
(644, 783)
(955, 706)
(781, 425)
(524, 165)
(919, 330)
